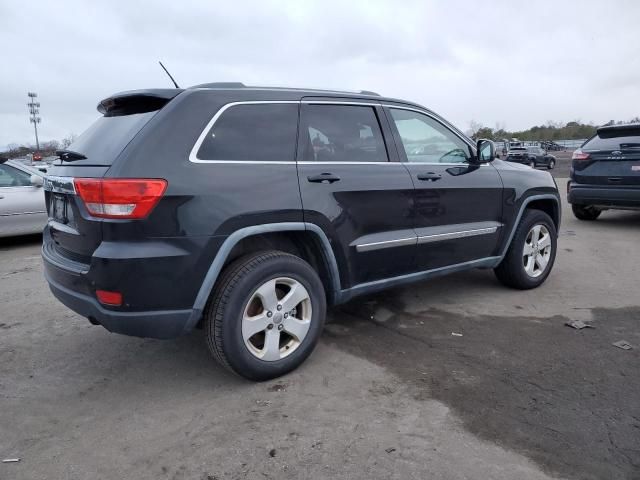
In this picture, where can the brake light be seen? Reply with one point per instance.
(106, 297)
(580, 155)
(120, 198)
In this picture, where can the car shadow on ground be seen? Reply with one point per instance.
(618, 218)
(7, 243)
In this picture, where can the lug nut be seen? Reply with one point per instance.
(279, 307)
(270, 326)
(286, 315)
(280, 327)
(269, 314)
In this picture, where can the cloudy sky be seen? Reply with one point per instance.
(519, 63)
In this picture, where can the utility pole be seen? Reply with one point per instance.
(34, 110)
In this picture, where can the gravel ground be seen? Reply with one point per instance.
(389, 393)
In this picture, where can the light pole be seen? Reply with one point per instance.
(34, 110)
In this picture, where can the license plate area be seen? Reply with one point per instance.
(58, 210)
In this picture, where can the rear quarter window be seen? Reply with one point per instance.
(259, 133)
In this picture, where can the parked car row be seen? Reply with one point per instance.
(22, 201)
(532, 156)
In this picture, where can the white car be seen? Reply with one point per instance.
(22, 204)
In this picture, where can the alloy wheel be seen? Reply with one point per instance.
(276, 319)
(537, 251)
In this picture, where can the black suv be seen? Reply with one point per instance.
(247, 211)
(532, 156)
(605, 172)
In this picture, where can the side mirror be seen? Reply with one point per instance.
(36, 180)
(486, 151)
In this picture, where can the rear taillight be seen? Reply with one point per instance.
(580, 155)
(120, 198)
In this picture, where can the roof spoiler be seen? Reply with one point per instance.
(137, 101)
(611, 131)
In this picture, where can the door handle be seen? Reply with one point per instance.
(323, 178)
(429, 177)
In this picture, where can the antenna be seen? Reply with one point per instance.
(167, 72)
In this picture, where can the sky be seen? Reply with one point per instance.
(512, 63)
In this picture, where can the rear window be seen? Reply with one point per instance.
(103, 141)
(260, 133)
(613, 141)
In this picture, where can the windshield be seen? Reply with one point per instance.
(103, 141)
(518, 149)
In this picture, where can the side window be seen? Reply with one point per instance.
(341, 133)
(12, 177)
(428, 141)
(260, 132)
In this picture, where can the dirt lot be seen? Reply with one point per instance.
(389, 393)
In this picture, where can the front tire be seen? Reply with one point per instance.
(586, 212)
(532, 252)
(551, 164)
(532, 164)
(265, 315)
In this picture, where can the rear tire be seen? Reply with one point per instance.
(551, 164)
(522, 267)
(586, 212)
(532, 164)
(265, 315)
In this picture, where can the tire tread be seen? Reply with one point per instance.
(509, 272)
(216, 308)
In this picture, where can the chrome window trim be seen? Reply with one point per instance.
(308, 162)
(193, 155)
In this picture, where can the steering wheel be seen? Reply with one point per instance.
(458, 153)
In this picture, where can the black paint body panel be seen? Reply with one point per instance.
(159, 263)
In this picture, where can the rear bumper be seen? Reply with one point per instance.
(153, 324)
(159, 281)
(604, 195)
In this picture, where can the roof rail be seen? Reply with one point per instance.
(220, 85)
(242, 85)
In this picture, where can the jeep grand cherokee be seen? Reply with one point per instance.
(247, 211)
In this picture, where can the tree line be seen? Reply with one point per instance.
(47, 149)
(551, 131)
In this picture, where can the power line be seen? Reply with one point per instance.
(34, 110)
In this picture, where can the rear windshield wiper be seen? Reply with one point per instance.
(69, 155)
